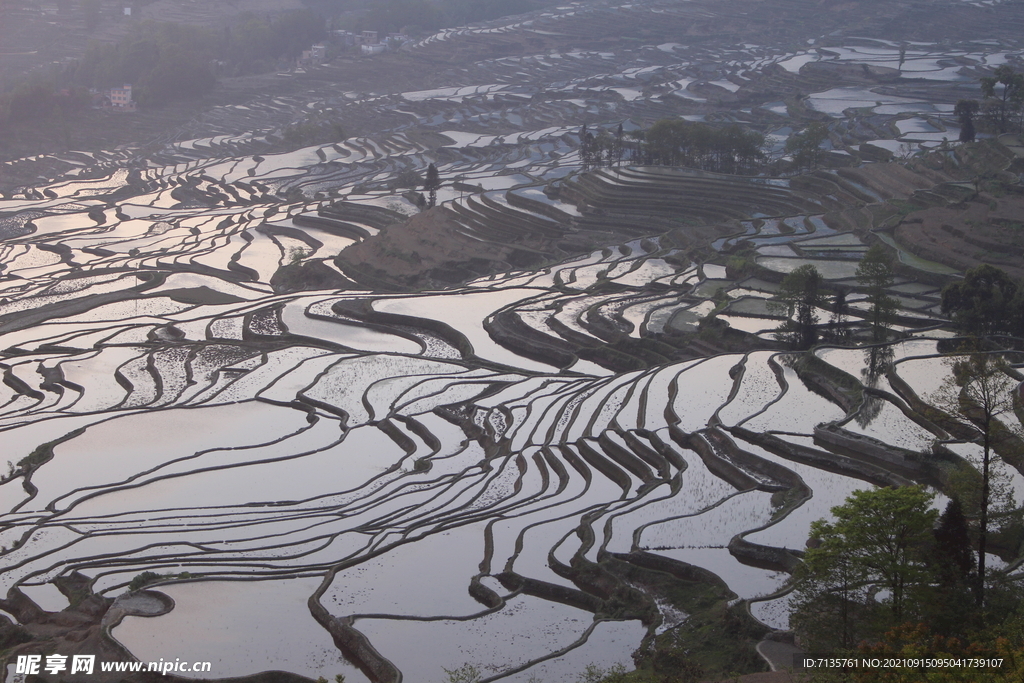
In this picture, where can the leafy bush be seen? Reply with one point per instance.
(143, 580)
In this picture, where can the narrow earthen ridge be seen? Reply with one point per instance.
(355, 646)
(831, 462)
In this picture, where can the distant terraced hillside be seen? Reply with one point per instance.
(257, 404)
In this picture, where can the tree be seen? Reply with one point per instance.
(837, 331)
(953, 555)
(987, 301)
(677, 142)
(431, 185)
(978, 391)
(602, 148)
(407, 178)
(586, 148)
(965, 111)
(617, 149)
(317, 130)
(831, 601)
(875, 274)
(1004, 102)
(805, 147)
(886, 531)
(953, 562)
(878, 542)
(798, 298)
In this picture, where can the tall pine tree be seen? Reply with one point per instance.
(954, 558)
(431, 185)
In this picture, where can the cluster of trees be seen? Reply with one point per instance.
(979, 391)
(800, 297)
(986, 302)
(722, 149)
(889, 559)
(965, 111)
(880, 540)
(601, 149)
(677, 142)
(889, 574)
(1001, 108)
(317, 130)
(36, 102)
(803, 296)
(411, 179)
(805, 147)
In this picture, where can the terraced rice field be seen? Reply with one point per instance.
(430, 478)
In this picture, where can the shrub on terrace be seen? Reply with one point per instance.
(987, 301)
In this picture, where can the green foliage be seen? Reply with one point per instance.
(431, 185)
(616, 674)
(677, 142)
(953, 553)
(837, 332)
(987, 301)
(741, 265)
(12, 635)
(467, 673)
(318, 130)
(878, 542)
(805, 147)
(875, 274)
(1004, 95)
(408, 178)
(259, 42)
(671, 664)
(965, 111)
(296, 254)
(918, 641)
(798, 298)
(33, 101)
(670, 661)
(719, 640)
(43, 452)
(979, 391)
(144, 579)
(953, 564)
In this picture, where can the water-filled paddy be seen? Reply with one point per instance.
(310, 438)
(205, 625)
